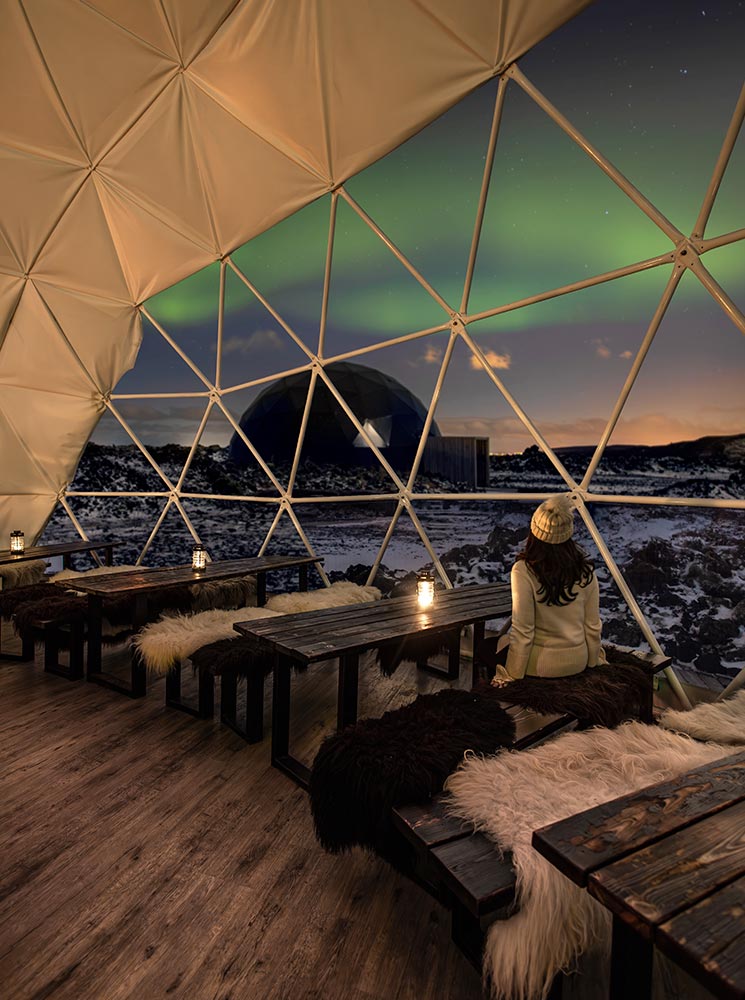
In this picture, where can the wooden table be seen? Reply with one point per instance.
(314, 636)
(669, 863)
(139, 583)
(64, 549)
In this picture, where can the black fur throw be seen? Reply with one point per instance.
(12, 599)
(225, 656)
(361, 773)
(601, 696)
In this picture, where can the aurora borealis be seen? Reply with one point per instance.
(654, 91)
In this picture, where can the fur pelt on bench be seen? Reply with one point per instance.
(172, 639)
(231, 656)
(22, 574)
(339, 594)
(602, 696)
(511, 795)
(361, 773)
(721, 721)
(11, 600)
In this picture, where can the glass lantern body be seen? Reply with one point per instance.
(425, 590)
(199, 559)
(17, 543)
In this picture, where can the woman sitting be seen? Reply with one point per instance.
(556, 627)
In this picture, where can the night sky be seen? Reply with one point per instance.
(654, 90)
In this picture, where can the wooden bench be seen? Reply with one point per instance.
(460, 866)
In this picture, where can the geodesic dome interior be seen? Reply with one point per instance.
(208, 124)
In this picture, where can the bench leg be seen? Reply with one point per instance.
(255, 706)
(646, 709)
(466, 932)
(206, 695)
(228, 699)
(77, 652)
(346, 714)
(173, 687)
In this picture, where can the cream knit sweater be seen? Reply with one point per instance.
(552, 640)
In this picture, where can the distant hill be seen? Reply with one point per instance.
(728, 448)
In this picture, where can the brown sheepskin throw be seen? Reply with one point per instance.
(361, 773)
(602, 696)
(231, 656)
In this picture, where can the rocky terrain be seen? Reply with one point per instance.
(686, 566)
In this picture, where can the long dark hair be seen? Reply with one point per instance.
(559, 568)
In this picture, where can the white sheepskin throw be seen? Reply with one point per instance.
(170, 640)
(510, 795)
(23, 574)
(337, 595)
(721, 721)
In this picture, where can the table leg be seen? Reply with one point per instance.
(137, 687)
(630, 964)
(479, 630)
(281, 756)
(260, 589)
(349, 669)
(108, 555)
(303, 577)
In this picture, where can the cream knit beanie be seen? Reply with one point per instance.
(553, 521)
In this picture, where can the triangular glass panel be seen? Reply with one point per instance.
(654, 101)
(336, 458)
(160, 368)
(246, 410)
(728, 212)
(552, 216)
(112, 462)
(286, 264)
(727, 266)
(677, 562)
(173, 542)
(254, 344)
(682, 430)
(128, 520)
(346, 535)
(425, 193)
(373, 297)
(566, 359)
(188, 312)
(223, 466)
(230, 529)
(404, 556)
(482, 443)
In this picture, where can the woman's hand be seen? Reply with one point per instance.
(501, 678)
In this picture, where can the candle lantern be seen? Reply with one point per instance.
(425, 590)
(17, 543)
(199, 558)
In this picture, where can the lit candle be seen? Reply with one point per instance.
(199, 558)
(17, 543)
(425, 590)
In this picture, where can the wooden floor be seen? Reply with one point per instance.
(146, 854)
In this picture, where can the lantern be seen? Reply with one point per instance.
(17, 543)
(425, 590)
(199, 558)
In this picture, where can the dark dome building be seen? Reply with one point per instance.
(392, 416)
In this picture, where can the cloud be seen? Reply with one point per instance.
(263, 339)
(493, 359)
(601, 347)
(626, 355)
(433, 355)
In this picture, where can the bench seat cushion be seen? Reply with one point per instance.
(173, 639)
(360, 774)
(602, 696)
(22, 574)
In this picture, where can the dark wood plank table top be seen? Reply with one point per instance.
(143, 580)
(669, 862)
(320, 635)
(59, 549)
